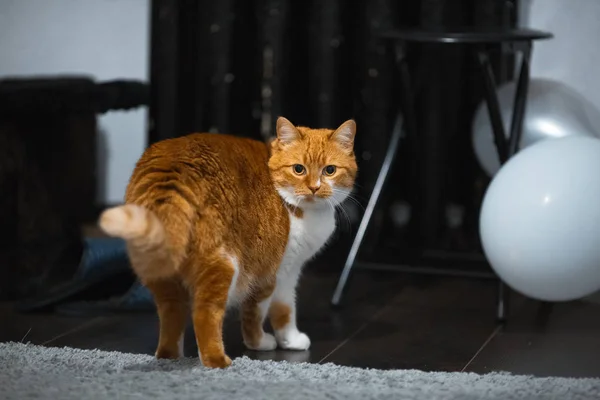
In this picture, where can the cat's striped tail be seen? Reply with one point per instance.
(155, 249)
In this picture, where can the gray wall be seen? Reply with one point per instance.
(573, 56)
(104, 38)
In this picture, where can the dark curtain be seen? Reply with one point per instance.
(233, 66)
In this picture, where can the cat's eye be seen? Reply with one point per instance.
(299, 169)
(329, 170)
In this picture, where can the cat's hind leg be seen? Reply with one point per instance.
(211, 284)
(172, 304)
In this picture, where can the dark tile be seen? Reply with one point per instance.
(544, 339)
(437, 327)
(36, 328)
(138, 333)
(130, 333)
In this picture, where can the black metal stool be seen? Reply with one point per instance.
(519, 40)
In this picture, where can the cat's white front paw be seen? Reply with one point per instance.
(267, 343)
(293, 341)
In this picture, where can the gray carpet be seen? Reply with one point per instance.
(29, 371)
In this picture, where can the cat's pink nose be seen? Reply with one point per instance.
(314, 188)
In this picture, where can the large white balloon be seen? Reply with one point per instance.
(540, 220)
(553, 110)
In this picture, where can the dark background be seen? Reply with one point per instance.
(234, 66)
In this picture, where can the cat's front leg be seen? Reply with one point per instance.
(282, 314)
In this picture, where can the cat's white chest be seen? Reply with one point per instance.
(307, 236)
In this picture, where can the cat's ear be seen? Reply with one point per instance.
(287, 132)
(344, 135)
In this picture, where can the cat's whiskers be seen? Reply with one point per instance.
(283, 202)
(356, 201)
(349, 196)
(297, 204)
(330, 203)
(334, 207)
(346, 216)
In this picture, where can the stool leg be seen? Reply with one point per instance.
(520, 103)
(364, 223)
(506, 149)
(502, 302)
(516, 129)
(493, 106)
(502, 149)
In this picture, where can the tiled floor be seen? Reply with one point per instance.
(389, 321)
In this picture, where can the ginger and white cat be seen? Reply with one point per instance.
(214, 220)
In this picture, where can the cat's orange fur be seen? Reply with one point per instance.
(210, 218)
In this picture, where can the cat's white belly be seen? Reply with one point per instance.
(307, 236)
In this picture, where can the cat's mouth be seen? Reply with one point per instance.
(300, 199)
(310, 200)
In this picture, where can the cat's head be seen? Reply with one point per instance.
(313, 167)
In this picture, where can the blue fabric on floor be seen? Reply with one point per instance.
(106, 257)
(103, 259)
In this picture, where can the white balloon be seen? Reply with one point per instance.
(540, 220)
(554, 110)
